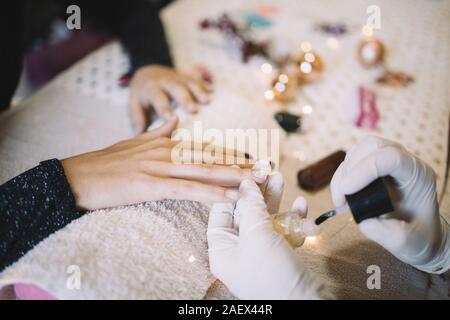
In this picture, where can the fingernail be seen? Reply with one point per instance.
(192, 108)
(232, 194)
(261, 170)
(205, 99)
(136, 131)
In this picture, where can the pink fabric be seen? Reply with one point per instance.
(31, 292)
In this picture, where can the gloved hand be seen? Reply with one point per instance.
(253, 261)
(414, 233)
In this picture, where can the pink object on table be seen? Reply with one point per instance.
(369, 115)
(31, 292)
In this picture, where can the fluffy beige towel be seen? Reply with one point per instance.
(151, 251)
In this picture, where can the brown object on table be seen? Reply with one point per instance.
(319, 174)
(371, 52)
(395, 79)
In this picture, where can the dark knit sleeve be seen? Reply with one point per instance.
(139, 28)
(33, 205)
(142, 34)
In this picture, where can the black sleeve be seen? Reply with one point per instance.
(142, 34)
(11, 51)
(33, 205)
(136, 23)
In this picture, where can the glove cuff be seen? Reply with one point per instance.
(308, 286)
(441, 262)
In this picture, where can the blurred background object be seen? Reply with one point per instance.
(41, 44)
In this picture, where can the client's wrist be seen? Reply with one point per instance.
(71, 168)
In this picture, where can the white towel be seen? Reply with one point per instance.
(150, 251)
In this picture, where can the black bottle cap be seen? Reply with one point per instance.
(372, 201)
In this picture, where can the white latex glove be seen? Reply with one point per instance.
(255, 262)
(414, 233)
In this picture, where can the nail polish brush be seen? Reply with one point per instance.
(370, 202)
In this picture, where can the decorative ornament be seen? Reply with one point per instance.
(309, 66)
(247, 45)
(304, 68)
(282, 89)
(335, 29)
(255, 20)
(371, 52)
(395, 79)
(291, 71)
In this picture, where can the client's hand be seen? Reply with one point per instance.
(155, 86)
(253, 261)
(141, 169)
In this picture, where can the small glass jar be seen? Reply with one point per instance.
(294, 227)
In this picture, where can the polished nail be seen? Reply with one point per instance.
(261, 170)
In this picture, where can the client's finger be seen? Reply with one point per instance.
(163, 131)
(212, 174)
(213, 148)
(137, 115)
(198, 91)
(190, 153)
(180, 93)
(160, 102)
(169, 152)
(181, 189)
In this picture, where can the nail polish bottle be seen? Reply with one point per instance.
(294, 227)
